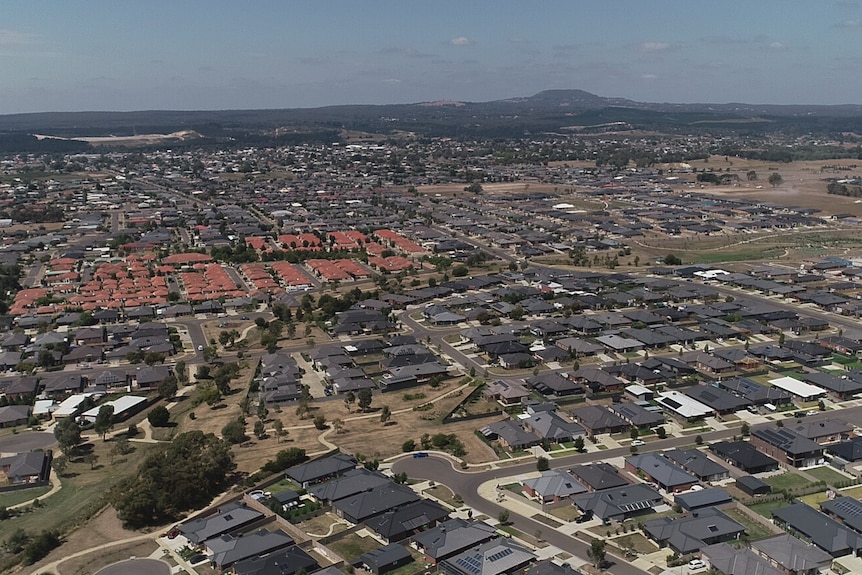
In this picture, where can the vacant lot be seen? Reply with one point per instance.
(765, 509)
(787, 480)
(827, 474)
(352, 546)
(753, 529)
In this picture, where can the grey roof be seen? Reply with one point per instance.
(228, 549)
(555, 483)
(382, 557)
(353, 482)
(320, 468)
(688, 534)
(822, 530)
(284, 562)
(696, 462)
(716, 398)
(787, 440)
(850, 450)
(618, 502)
(848, 509)
(510, 432)
(494, 557)
(453, 536)
(549, 425)
(703, 498)
(637, 415)
(411, 517)
(23, 466)
(367, 504)
(822, 428)
(733, 561)
(661, 470)
(14, 413)
(227, 518)
(598, 417)
(792, 553)
(599, 476)
(753, 391)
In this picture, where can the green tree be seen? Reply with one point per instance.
(104, 420)
(672, 260)
(59, 464)
(634, 433)
(775, 179)
(503, 517)
(159, 416)
(579, 444)
(210, 394)
(698, 440)
(284, 459)
(542, 464)
(40, 545)
(365, 399)
(409, 445)
(320, 422)
(661, 433)
(259, 429)
(279, 430)
(751, 176)
(385, 414)
(168, 388)
(68, 435)
(234, 431)
(745, 429)
(597, 553)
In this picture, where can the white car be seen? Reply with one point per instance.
(696, 564)
(637, 442)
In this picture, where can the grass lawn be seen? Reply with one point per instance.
(565, 513)
(827, 474)
(765, 509)
(415, 566)
(815, 499)
(444, 494)
(546, 520)
(320, 525)
(787, 480)
(283, 485)
(637, 542)
(852, 492)
(753, 529)
(352, 546)
(15, 497)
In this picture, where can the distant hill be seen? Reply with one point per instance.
(549, 111)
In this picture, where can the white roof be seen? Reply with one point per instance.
(43, 406)
(120, 405)
(636, 389)
(796, 387)
(69, 406)
(683, 405)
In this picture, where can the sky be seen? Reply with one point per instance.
(120, 55)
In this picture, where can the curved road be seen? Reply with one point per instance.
(23, 442)
(466, 484)
(137, 567)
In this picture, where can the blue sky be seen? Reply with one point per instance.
(195, 54)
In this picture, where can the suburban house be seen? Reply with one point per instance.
(450, 538)
(753, 486)
(698, 464)
(321, 469)
(732, 561)
(619, 503)
(399, 524)
(385, 559)
(227, 549)
(289, 561)
(791, 555)
(744, 455)
(350, 483)
(597, 419)
(820, 529)
(598, 476)
(549, 425)
(789, 448)
(495, 557)
(694, 500)
(690, 533)
(510, 435)
(552, 486)
(637, 415)
(661, 471)
(363, 506)
(22, 468)
(227, 518)
(506, 393)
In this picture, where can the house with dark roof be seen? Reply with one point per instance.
(823, 431)
(661, 471)
(820, 529)
(407, 520)
(227, 549)
(788, 447)
(24, 468)
(791, 555)
(841, 388)
(350, 483)
(451, 537)
(554, 384)
(597, 419)
(694, 500)
(846, 509)
(495, 557)
(510, 435)
(698, 464)
(552, 486)
(549, 425)
(506, 393)
(848, 451)
(753, 486)
(743, 455)
(385, 559)
(732, 561)
(637, 415)
(363, 506)
(321, 469)
(598, 476)
(225, 519)
(690, 533)
(754, 392)
(619, 503)
(722, 402)
(14, 415)
(288, 561)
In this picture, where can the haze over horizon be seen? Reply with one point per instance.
(196, 55)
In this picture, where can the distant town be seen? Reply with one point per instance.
(620, 353)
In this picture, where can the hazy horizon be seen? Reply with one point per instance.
(219, 55)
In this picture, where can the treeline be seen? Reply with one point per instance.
(838, 189)
(17, 143)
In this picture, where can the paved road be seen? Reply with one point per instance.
(137, 567)
(23, 442)
(466, 484)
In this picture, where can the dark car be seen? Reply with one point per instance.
(418, 455)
